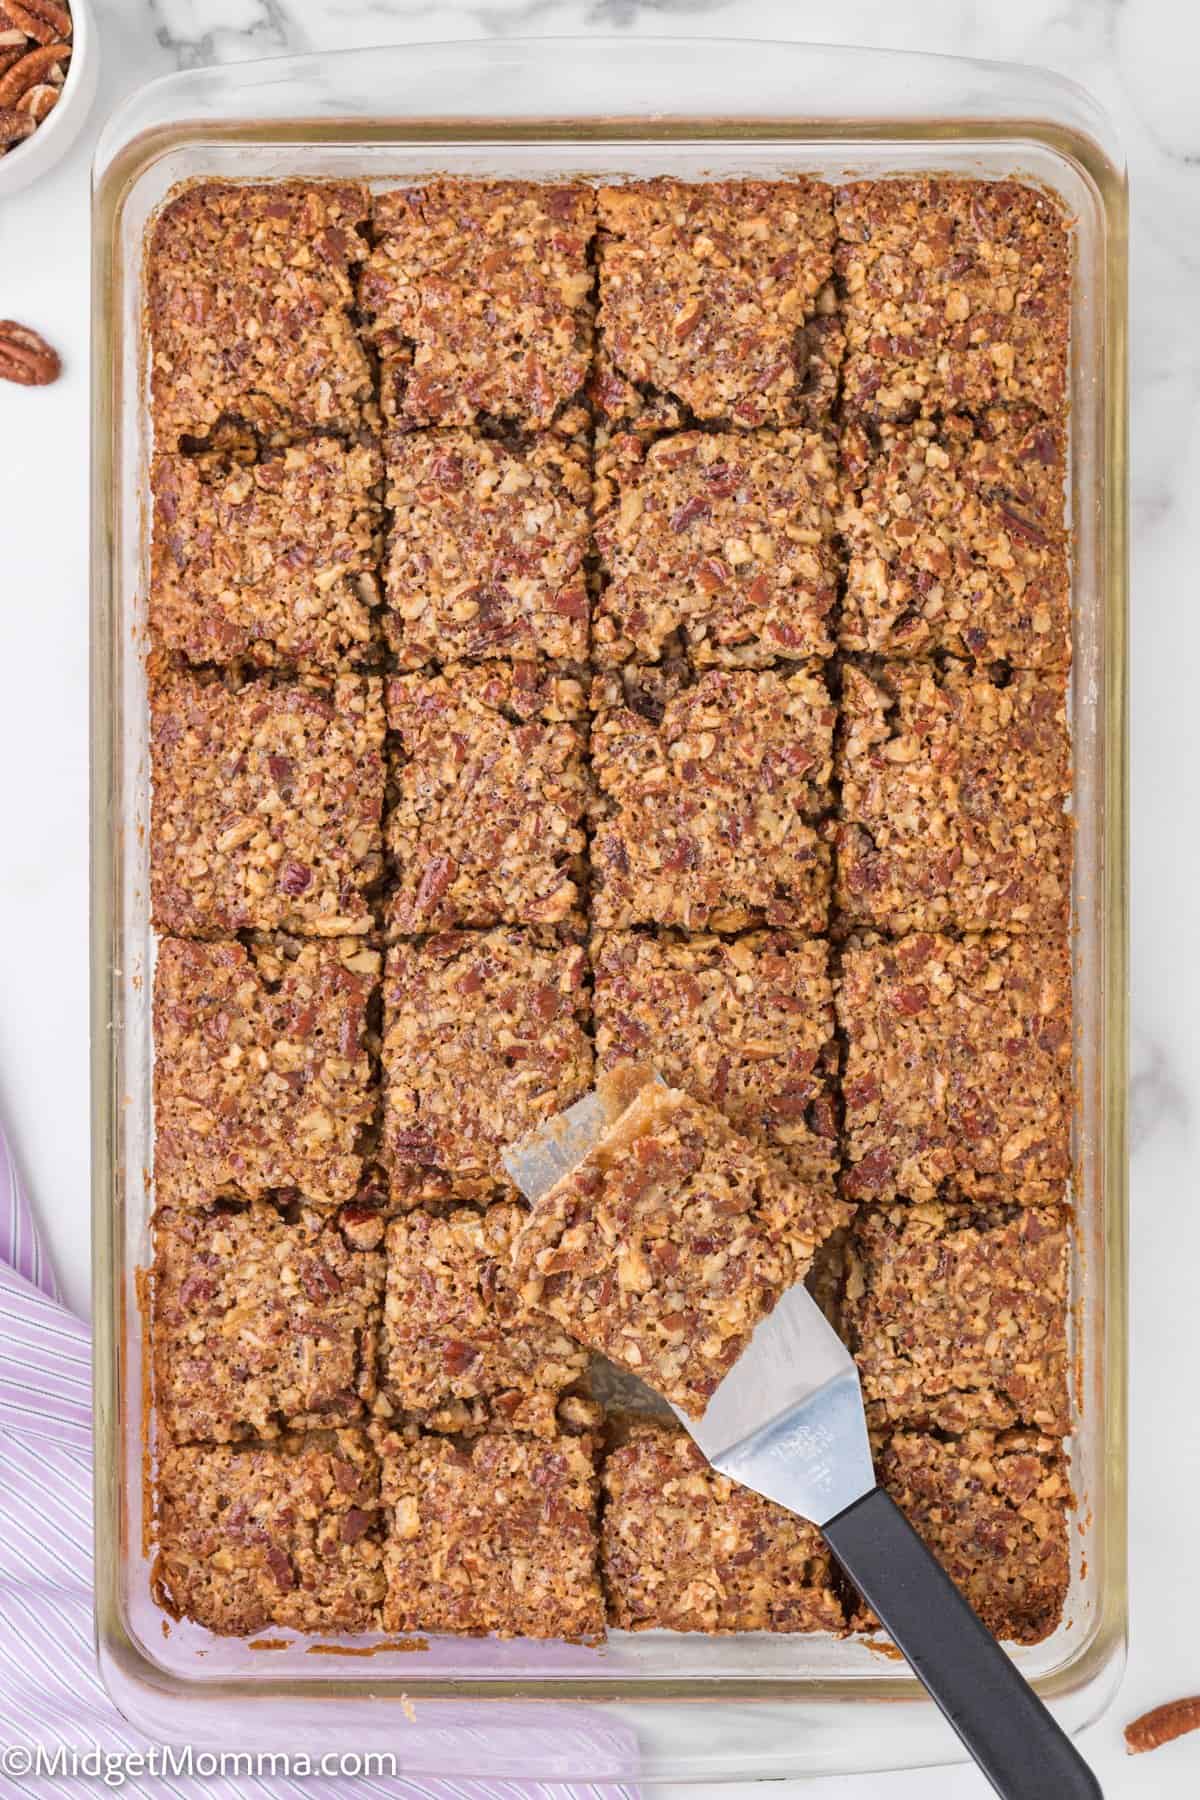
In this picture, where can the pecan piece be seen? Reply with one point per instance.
(1163, 1724)
(31, 70)
(354, 1524)
(45, 21)
(1021, 527)
(39, 102)
(26, 357)
(15, 126)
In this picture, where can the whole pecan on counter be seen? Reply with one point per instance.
(1163, 1724)
(26, 357)
(35, 48)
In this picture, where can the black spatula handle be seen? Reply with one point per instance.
(1020, 1747)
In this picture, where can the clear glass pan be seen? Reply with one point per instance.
(773, 1706)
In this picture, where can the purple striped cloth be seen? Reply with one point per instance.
(50, 1692)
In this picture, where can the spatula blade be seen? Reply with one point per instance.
(788, 1418)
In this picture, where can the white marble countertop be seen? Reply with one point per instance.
(1140, 58)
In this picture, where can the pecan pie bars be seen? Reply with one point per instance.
(265, 1317)
(992, 1506)
(687, 1549)
(490, 789)
(486, 548)
(710, 794)
(263, 1078)
(958, 1067)
(274, 563)
(484, 1038)
(480, 301)
(745, 1024)
(669, 1242)
(459, 1348)
(955, 539)
(957, 297)
(268, 805)
(250, 294)
(497, 1534)
(285, 1534)
(954, 786)
(957, 1316)
(722, 538)
(711, 296)
(595, 630)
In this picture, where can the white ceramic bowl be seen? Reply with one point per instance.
(25, 162)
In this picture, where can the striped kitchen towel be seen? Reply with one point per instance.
(52, 1703)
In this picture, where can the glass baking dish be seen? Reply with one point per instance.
(772, 1706)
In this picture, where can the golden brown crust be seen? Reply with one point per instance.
(955, 539)
(485, 826)
(459, 1350)
(957, 1316)
(267, 808)
(686, 1549)
(262, 1077)
(745, 1024)
(480, 297)
(707, 296)
(497, 1535)
(486, 548)
(285, 1534)
(709, 798)
(249, 296)
(724, 539)
(273, 563)
(669, 1242)
(956, 294)
(263, 1320)
(953, 799)
(483, 1039)
(958, 1067)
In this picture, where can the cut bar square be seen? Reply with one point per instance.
(710, 797)
(957, 1316)
(495, 1535)
(958, 1068)
(268, 804)
(954, 790)
(485, 826)
(459, 1348)
(272, 563)
(480, 300)
(992, 1507)
(745, 1024)
(262, 1074)
(668, 1243)
(484, 1038)
(486, 549)
(722, 539)
(264, 1319)
(714, 297)
(686, 1549)
(285, 1534)
(957, 297)
(956, 540)
(250, 295)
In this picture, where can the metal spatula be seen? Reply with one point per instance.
(788, 1422)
